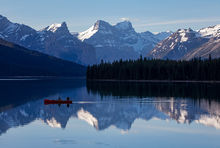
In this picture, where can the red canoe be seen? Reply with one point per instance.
(46, 102)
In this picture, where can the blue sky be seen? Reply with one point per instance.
(152, 15)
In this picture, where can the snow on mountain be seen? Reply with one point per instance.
(88, 117)
(210, 32)
(183, 36)
(113, 42)
(53, 123)
(87, 34)
(183, 112)
(58, 28)
(53, 27)
(207, 120)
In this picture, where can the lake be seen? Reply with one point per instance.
(109, 114)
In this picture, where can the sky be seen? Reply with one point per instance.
(145, 15)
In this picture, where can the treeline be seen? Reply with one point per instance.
(155, 69)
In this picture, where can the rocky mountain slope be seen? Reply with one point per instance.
(187, 44)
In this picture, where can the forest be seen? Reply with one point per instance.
(155, 69)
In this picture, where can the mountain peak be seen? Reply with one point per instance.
(100, 24)
(187, 31)
(55, 27)
(63, 24)
(125, 25)
(186, 34)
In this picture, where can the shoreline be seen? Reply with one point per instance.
(11, 78)
(152, 81)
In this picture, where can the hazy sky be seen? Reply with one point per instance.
(152, 15)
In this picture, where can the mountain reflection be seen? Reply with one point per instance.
(104, 107)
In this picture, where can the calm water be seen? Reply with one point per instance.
(109, 115)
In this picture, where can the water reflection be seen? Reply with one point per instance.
(128, 89)
(118, 105)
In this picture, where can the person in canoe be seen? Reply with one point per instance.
(59, 101)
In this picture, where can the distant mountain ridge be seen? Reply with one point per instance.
(186, 44)
(55, 40)
(19, 61)
(120, 41)
(103, 41)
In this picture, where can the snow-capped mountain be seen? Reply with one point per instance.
(212, 47)
(54, 40)
(177, 45)
(187, 44)
(113, 42)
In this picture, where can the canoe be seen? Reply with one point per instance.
(46, 102)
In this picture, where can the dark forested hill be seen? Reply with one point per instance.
(19, 61)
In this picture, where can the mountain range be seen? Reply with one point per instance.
(186, 44)
(120, 41)
(103, 41)
(55, 40)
